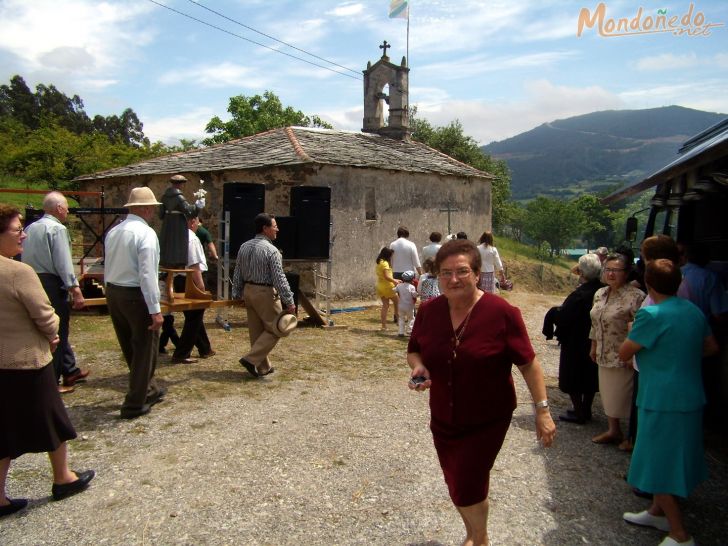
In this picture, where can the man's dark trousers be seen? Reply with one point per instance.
(193, 335)
(140, 346)
(64, 360)
(193, 332)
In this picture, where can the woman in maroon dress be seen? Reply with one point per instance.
(463, 346)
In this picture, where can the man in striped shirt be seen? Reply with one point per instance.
(259, 281)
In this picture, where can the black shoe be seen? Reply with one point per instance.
(14, 506)
(250, 367)
(156, 398)
(133, 413)
(162, 351)
(571, 417)
(183, 360)
(61, 491)
(396, 319)
(642, 494)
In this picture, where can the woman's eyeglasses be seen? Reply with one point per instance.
(459, 273)
(613, 269)
(17, 231)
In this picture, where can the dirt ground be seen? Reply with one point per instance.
(330, 449)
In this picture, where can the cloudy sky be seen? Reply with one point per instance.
(499, 66)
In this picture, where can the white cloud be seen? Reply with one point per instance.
(721, 60)
(97, 84)
(347, 9)
(215, 76)
(347, 119)
(667, 61)
(480, 64)
(555, 27)
(544, 102)
(303, 33)
(704, 94)
(445, 32)
(70, 36)
(189, 125)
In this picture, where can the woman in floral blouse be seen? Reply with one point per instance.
(614, 309)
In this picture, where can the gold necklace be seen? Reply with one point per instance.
(459, 336)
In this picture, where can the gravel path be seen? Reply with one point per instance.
(334, 460)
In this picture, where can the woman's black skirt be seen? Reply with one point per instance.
(33, 418)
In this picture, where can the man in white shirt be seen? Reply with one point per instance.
(193, 332)
(405, 256)
(131, 273)
(48, 251)
(430, 250)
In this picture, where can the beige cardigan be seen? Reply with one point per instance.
(27, 320)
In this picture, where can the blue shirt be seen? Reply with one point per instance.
(671, 334)
(706, 290)
(48, 250)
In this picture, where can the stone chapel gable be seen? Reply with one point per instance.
(376, 77)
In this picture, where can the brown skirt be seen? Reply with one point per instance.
(33, 418)
(466, 456)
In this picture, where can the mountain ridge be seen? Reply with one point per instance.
(597, 152)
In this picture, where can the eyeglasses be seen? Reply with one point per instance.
(459, 273)
(17, 231)
(613, 269)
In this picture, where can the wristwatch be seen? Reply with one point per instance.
(542, 404)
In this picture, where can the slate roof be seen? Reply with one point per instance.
(300, 146)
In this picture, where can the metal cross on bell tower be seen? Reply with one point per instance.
(385, 46)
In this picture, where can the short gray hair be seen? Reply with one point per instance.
(52, 200)
(590, 266)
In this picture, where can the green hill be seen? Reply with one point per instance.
(598, 151)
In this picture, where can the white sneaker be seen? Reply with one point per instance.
(672, 542)
(646, 519)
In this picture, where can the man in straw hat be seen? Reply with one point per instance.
(173, 237)
(259, 280)
(132, 295)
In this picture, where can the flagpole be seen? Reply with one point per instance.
(408, 16)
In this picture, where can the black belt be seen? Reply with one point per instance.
(258, 283)
(50, 276)
(119, 287)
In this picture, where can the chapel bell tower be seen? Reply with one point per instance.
(376, 77)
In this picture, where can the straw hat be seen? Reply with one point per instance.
(142, 197)
(177, 179)
(286, 323)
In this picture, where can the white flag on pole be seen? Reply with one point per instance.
(399, 9)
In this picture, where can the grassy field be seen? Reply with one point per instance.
(526, 268)
(21, 200)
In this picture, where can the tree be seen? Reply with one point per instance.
(18, 102)
(598, 227)
(126, 128)
(67, 111)
(48, 106)
(252, 115)
(553, 221)
(514, 219)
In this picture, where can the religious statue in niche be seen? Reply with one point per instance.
(173, 239)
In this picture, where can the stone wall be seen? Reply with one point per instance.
(391, 198)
